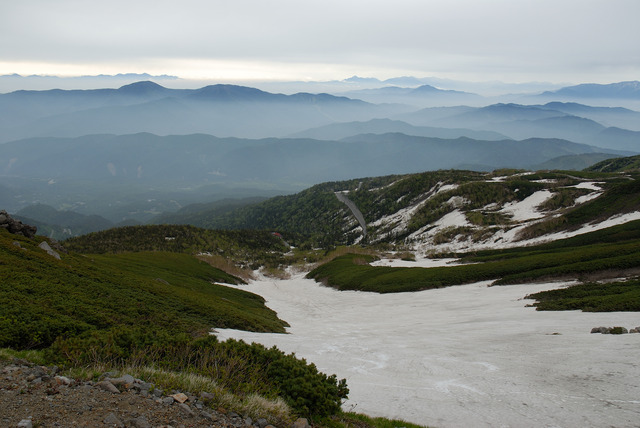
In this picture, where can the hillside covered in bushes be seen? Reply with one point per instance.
(150, 308)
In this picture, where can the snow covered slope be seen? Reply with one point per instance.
(453, 211)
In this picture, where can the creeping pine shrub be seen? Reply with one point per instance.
(242, 368)
(118, 346)
(304, 388)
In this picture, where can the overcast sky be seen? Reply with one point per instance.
(571, 41)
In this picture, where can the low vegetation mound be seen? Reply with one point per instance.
(247, 248)
(44, 298)
(591, 297)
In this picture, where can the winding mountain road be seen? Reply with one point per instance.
(342, 197)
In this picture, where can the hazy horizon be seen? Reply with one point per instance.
(286, 41)
(15, 81)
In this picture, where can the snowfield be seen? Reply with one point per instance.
(526, 209)
(463, 356)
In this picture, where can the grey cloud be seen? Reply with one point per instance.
(426, 35)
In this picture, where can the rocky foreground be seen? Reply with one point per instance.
(38, 396)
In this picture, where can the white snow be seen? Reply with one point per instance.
(400, 219)
(374, 189)
(447, 187)
(612, 221)
(590, 185)
(504, 177)
(457, 201)
(419, 262)
(526, 209)
(463, 356)
(455, 218)
(585, 198)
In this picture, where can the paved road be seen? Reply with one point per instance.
(354, 209)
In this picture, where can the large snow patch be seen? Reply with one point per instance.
(461, 356)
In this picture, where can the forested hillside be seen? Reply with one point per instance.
(626, 164)
(441, 207)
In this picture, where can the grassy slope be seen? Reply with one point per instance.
(592, 297)
(150, 309)
(42, 298)
(614, 250)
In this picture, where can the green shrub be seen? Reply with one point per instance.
(241, 368)
(42, 298)
(591, 297)
(305, 389)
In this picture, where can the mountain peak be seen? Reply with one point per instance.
(405, 81)
(141, 88)
(358, 79)
(231, 92)
(426, 88)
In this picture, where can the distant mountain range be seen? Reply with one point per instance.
(222, 110)
(621, 90)
(575, 162)
(337, 131)
(200, 159)
(12, 82)
(553, 120)
(139, 175)
(239, 111)
(142, 149)
(61, 224)
(316, 212)
(424, 95)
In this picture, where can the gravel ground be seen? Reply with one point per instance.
(37, 396)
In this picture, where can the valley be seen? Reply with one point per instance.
(324, 255)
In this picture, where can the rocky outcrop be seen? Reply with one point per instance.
(614, 330)
(16, 226)
(45, 246)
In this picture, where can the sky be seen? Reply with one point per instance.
(572, 41)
